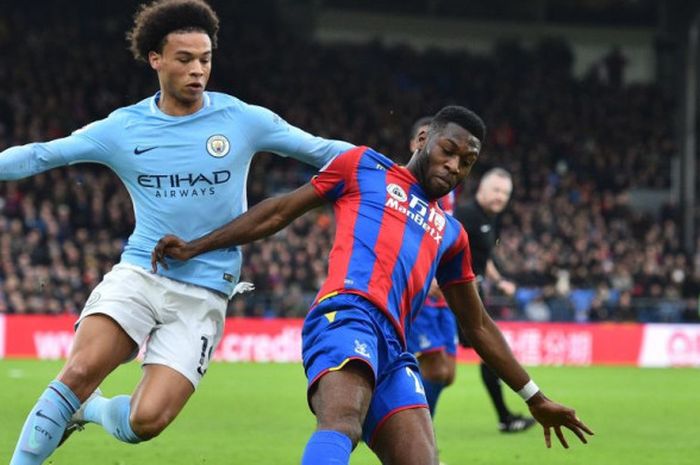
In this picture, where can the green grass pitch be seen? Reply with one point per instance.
(257, 414)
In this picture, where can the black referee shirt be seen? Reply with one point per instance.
(482, 230)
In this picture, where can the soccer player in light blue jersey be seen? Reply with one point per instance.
(183, 155)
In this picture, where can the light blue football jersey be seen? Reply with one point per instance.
(186, 174)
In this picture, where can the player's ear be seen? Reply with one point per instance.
(154, 59)
(421, 138)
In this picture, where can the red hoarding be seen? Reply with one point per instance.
(279, 340)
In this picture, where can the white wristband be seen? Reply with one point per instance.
(529, 390)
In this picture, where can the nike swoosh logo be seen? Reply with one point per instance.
(139, 151)
(41, 415)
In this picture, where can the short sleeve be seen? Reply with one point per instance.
(334, 178)
(456, 264)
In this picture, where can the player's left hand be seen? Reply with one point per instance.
(552, 415)
(169, 246)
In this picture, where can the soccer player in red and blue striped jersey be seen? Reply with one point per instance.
(433, 336)
(392, 239)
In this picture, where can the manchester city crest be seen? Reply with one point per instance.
(218, 146)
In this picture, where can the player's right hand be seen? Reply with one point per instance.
(552, 415)
(507, 287)
(169, 246)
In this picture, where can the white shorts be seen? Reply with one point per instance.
(179, 323)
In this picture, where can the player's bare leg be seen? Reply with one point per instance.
(438, 367)
(438, 371)
(407, 438)
(340, 402)
(100, 345)
(342, 398)
(158, 399)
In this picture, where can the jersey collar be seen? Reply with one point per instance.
(156, 111)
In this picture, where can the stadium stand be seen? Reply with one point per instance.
(570, 239)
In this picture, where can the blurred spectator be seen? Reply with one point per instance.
(575, 148)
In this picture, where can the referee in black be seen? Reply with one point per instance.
(480, 218)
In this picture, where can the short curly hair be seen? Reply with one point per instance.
(154, 21)
(461, 116)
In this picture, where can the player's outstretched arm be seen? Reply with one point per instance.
(93, 143)
(27, 160)
(270, 133)
(263, 220)
(492, 347)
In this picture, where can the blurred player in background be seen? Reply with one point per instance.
(183, 155)
(479, 216)
(392, 239)
(433, 335)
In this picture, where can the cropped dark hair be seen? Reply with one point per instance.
(154, 21)
(461, 116)
(420, 122)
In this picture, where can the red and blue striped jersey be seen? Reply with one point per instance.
(391, 239)
(447, 203)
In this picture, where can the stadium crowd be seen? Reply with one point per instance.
(575, 146)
